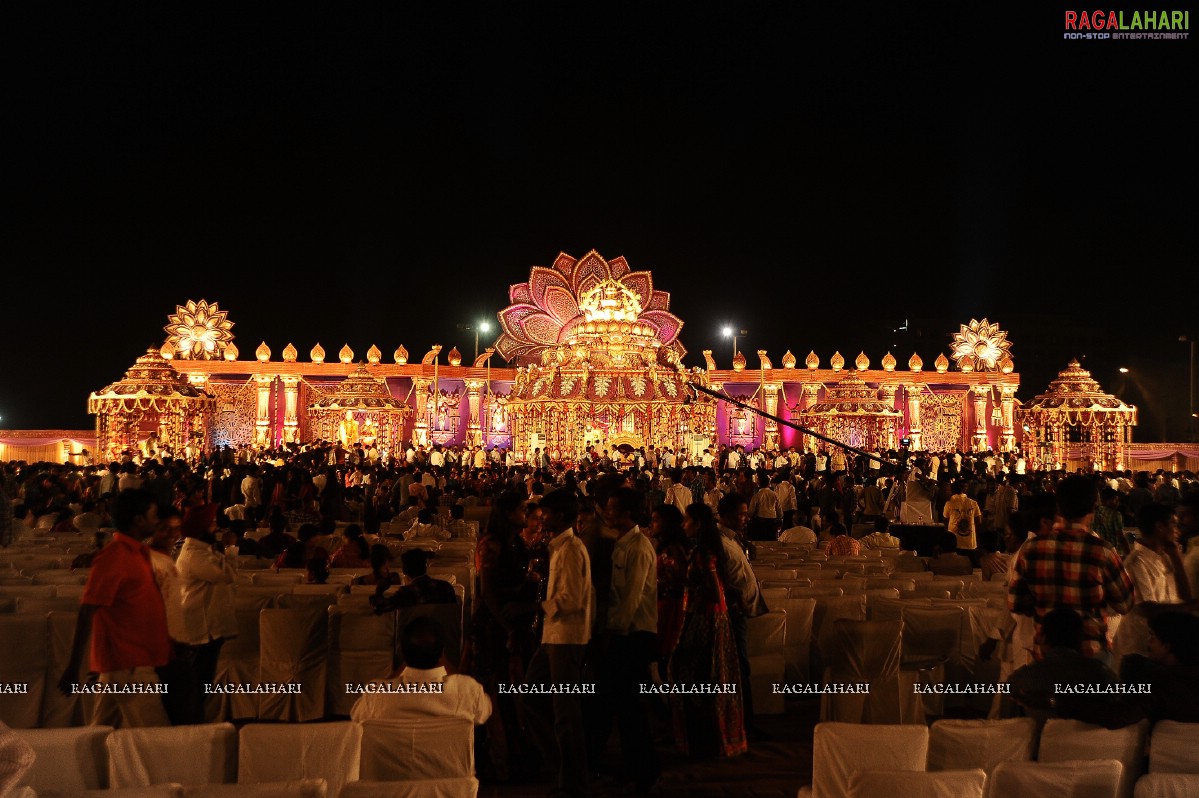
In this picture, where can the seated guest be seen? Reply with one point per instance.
(879, 538)
(318, 571)
(354, 553)
(1172, 667)
(1055, 687)
(425, 528)
(303, 551)
(381, 573)
(841, 544)
(946, 561)
(88, 519)
(423, 645)
(418, 587)
(65, 522)
(458, 527)
(277, 541)
(804, 535)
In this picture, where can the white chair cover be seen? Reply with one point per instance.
(67, 759)
(830, 609)
(361, 648)
(293, 646)
(155, 791)
(274, 752)
(932, 640)
(205, 754)
(428, 788)
(69, 591)
(841, 749)
(60, 577)
(798, 643)
(299, 788)
(28, 590)
(1063, 740)
(867, 652)
(24, 664)
(1174, 747)
(238, 663)
(1167, 785)
(272, 578)
(431, 748)
(58, 710)
(983, 744)
(904, 784)
(1096, 778)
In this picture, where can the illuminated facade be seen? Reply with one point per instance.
(595, 358)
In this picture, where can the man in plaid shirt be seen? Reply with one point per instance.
(1072, 568)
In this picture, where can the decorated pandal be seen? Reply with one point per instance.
(1075, 410)
(594, 360)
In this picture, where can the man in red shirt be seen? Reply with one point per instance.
(122, 613)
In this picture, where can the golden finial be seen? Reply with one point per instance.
(915, 363)
(455, 357)
(1006, 365)
(230, 352)
(888, 362)
(401, 355)
(709, 360)
(738, 362)
(263, 352)
(167, 351)
(942, 363)
(812, 361)
(766, 364)
(317, 354)
(373, 355)
(837, 361)
(788, 360)
(861, 362)
(290, 354)
(966, 366)
(346, 355)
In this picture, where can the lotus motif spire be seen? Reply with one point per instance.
(199, 331)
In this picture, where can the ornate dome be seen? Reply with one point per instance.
(1075, 391)
(151, 378)
(851, 396)
(359, 391)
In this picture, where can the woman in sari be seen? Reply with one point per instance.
(707, 724)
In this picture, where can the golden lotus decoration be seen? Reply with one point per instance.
(812, 361)
(738, 362)
(167, 351)
(888, 362)
(199, 331)
(263, 352)
(981, 345)
(837, 362)
(455, 357)
(373, 355)
(602, 306)
(788, 360)
(942, 363)
(317, 354)
(1007, 366)
(861, 362)
(231, 352)
(346, 355)
(400, 355)
(915, 362)
(290, 354)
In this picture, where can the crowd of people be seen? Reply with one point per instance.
(630, 573)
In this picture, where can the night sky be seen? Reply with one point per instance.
(814, 175)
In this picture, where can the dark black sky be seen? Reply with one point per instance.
(815, 175)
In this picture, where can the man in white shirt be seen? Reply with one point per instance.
(734, 461)
(784, 489)
(677, 493)
(569, 607)
(764, 511)
(251, 490)
(632, 641)
(457, 696)
(1155, 564)
(181, 698)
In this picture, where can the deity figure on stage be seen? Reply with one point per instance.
(369, 432)
(347, 431)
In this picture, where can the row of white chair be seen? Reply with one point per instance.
(70, 761)
(995, 758)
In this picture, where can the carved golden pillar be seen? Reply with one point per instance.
(770, 430)
(887, 394)
(262, 414)
(811, 395)
(915, 428)
(291, 399)
(474, 433)
(420, 432)
(1007, 403)
(981, 392)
